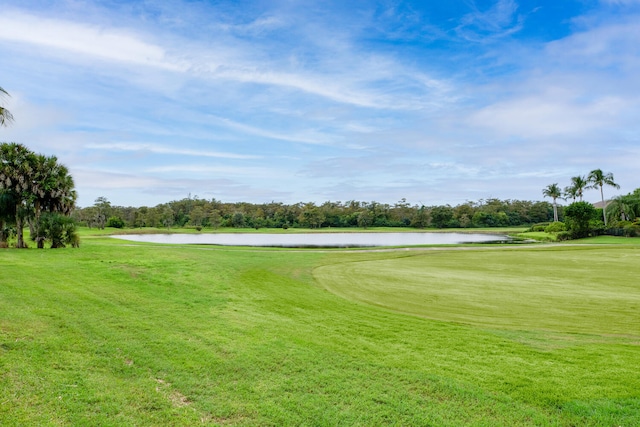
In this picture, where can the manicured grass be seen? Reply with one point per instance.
(590, 290)
(146, 335)
(609, 240)
(540, 236)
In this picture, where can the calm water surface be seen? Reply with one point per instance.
(324, 240)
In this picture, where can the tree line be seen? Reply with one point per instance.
(201, 213)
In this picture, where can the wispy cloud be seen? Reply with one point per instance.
(128, 47)
(499, 20)
(106, 43)
(308, 137)
(159, 149)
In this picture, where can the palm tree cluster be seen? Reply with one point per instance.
(32, 186)
(595, 180)
(625, 208)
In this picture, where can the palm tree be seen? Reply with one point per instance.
(16, 173)
(5, 116)
(31, 184)
(576, 189)
(624, 208)
(7, 216)
(599, 180)
(554, 192)
(52, 191)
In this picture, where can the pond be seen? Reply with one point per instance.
(317, 240)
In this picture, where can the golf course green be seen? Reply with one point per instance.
(115, 333)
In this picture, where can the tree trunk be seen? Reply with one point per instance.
(20, 232)
(3, 236)
(604, 207)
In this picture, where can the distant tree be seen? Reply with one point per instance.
(463, 214)
(365, 219)
(420, 218)
(215, 218)
(490, 219)
(5, 116)
(311, 216)
(554, 192)
(167, 216)
(197, 216)
(441, 216)
(102, 212)
(237, 220)
(576, 189)
(599, 179)
(115, 222)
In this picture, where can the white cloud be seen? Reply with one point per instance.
(159, 149)
(551, 114)
(106, 43)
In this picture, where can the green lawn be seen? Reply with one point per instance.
(147, 335)
(592, 290)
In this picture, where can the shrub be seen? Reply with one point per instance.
(555, 227)
(115, 222)
(632, 231)
(579, 218)
(60, 230)
(564, 235)
(541, 226)
(596, 227)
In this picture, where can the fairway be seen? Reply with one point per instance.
(115, 334)
(590, 290)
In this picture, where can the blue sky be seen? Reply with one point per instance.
(299, 101)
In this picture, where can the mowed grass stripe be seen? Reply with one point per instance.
(593, 290)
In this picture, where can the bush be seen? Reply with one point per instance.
(555, 227)
(564, 235)
(115, 222)
(58, 229)
(596, 227)
(632, 230)
(626, 229)
(541, 226)
(579, 217)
